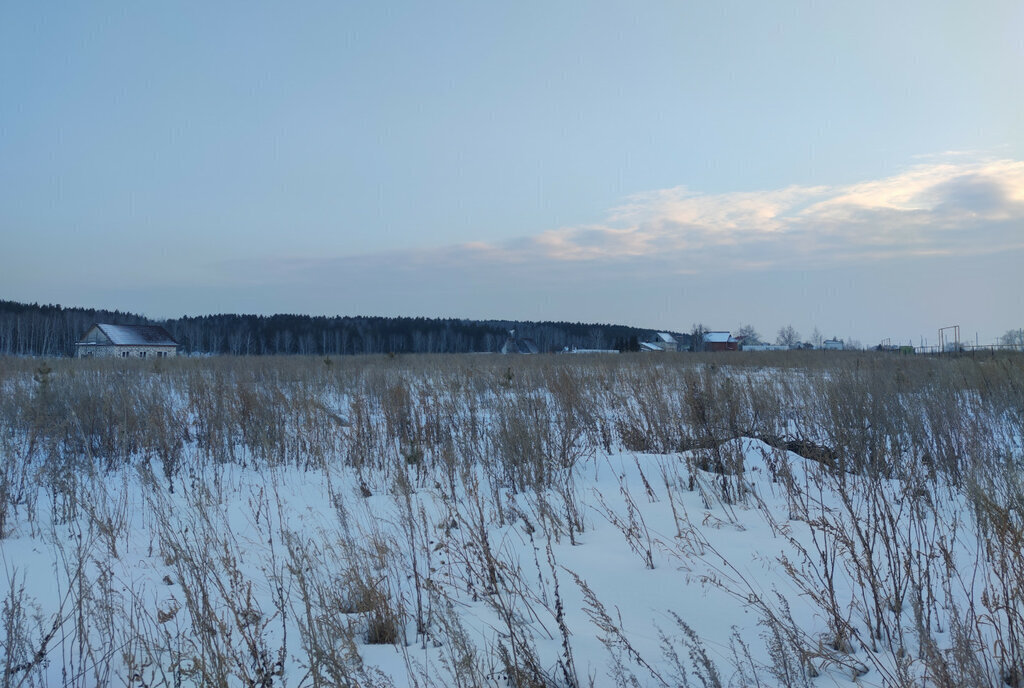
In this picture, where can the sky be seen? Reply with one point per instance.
(852, 167)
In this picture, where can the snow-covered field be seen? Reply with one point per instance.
(487, 521)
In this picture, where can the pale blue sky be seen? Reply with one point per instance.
(851, 166)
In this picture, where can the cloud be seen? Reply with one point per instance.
(932, 209)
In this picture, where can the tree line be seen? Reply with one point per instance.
(31, 329)
(52, 330)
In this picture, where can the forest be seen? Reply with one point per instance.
(52, 330)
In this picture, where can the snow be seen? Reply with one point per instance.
(286, 569)
(137, 335)
(704, 565)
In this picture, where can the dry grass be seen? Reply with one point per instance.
(904, 442)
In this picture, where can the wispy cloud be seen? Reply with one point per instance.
(939, 208)
(930, 209)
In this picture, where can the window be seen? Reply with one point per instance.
(124, 354)
(142, 354)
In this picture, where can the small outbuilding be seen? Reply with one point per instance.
(126, 341)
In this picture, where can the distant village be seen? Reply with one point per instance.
(719, 340)
(51, 330)
(153, 341)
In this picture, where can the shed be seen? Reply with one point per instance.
(126, 341)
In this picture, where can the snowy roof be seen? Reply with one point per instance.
(666, 337)
(136, 335)
(718, 337)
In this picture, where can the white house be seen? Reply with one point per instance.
(126, 341)
(663, 341)
(833, 345)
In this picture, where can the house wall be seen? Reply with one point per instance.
(111, 351)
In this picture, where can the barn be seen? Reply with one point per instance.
(720, 341)
(126, 341)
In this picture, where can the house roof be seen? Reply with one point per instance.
(666, 337)
(527, 346)
(718, 337)
(520, 345)
(136, 335)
